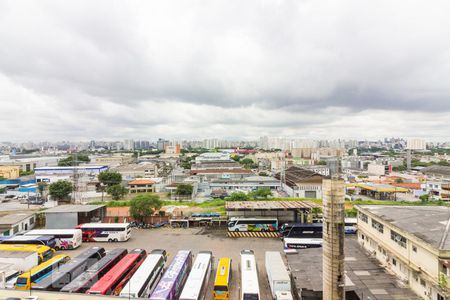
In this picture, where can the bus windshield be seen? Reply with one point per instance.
(251, 297)
(21, 281)
(222, 288)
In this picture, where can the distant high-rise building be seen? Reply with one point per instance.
(161, 144)
(128, 145)
(416, 144)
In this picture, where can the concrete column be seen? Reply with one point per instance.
(333, 239)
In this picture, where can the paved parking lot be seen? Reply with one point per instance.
(196, 239)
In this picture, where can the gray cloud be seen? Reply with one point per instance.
(224, 68)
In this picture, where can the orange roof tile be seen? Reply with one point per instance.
(141, 181)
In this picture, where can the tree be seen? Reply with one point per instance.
(60, 189)
(424, 198)
(322, 163)
(41, 186)
(238, 196)
(2, 190)
(261, 193)
(110, 178)
(398, 180)
(117, 191)
(184, 189)
(143, 206)
(71, 161)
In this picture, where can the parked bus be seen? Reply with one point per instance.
(249, 289)
(69, 271)
(113, 281)
(65, 238)
(105, 232)
(86, 279)
(44, 252)
(144, 280)
(31, 240)
(303, 236)
(198, 279)
(223, 279)
(350, 225)
(172, 282)
(253, 224)
(26, 280)
(278, 276)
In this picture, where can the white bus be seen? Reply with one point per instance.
(105, 232)
(249, 289)
(144, 280)
(278, 275)
(253, 224)
(350, 225)
(65, 238)
(197, 283)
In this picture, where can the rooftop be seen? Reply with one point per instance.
(380, 188)
(295, 174)
(428, 223)
(268, 205)
(141, 182)
(14, 218)
(213, 171)
(363, 275)
(440, 170)
(73, 208)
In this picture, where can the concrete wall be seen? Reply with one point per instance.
(21, 226)
(61, 220)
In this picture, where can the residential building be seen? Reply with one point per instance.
(9, 172)
(379, 169)
(17, 223)
(172, 149)
(413, 242)
(141, 186)
(144, 170)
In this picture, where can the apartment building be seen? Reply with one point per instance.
(412, 242)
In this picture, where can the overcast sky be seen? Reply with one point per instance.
(229, 69)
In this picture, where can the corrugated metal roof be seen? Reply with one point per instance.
(14, 218)
(269, 205)
(73, 208)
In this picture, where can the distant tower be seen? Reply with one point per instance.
(333, 239)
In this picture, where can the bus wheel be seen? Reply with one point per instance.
(115, 240)
(110, 240)
(56, 248)
(236, 230)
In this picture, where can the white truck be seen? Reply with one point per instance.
(23, 261)
(278, 275)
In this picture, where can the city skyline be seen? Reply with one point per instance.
(231, 70)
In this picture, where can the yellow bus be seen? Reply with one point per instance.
(222, 282)
(44, 252)
(26, 280)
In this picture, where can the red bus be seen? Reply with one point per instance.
(116, 278)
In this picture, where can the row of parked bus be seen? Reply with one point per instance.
(136, 274)
(66, 239)
(294, 235)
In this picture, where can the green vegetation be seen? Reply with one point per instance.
(184, 189)
(60, 189)
(143, 206)
(70, 160)
(322, 163)
(110, 178)
(186, 161)
(25, 173)
(41, 186)
(117, 191)
(2, 190)
(351, 212)
(248, 163)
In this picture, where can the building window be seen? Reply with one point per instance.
(378, 226)
(394, 261)
(399, 239)
(363, 217)
(422, 282)
(31, 220)
(15, 229)
(414, 248)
